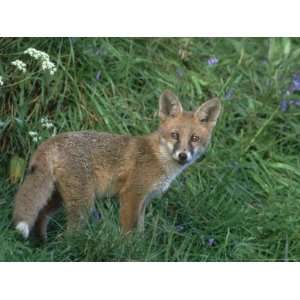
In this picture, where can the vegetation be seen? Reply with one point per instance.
(242, 203)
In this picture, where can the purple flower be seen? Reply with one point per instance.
(96, 214)
(212, 61)
(179, 227)
(284, 105)
(295, 102)
(229, 94)
(98, 75)
(295, 86)
(211, 242)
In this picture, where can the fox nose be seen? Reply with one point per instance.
(182, 156)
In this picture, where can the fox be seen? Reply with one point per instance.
(72, 169)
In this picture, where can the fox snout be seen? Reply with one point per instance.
(182, 157)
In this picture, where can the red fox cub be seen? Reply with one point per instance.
(72, 168)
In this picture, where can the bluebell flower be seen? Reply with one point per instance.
(295, 86)
(212, 61)
(96, 215)
(284, 105)
(229, 94)
(98, 75)
(296, 102)
(179, 227)
(211, 242)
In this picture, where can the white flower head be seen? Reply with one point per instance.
(36, 54)
(1, 81)
(33, 133)
(44, 58)
(49, 65)
(46, 123)
(35, 139)
(20, 65)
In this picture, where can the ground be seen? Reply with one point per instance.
(242, 203)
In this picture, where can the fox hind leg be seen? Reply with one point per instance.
(31, 197)
(78, 202)
(41, 224)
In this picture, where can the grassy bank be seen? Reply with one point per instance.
(242, 203)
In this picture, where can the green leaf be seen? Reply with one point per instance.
(16, 168)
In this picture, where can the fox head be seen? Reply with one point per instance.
(185, 136)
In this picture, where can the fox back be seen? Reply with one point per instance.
(73, 168)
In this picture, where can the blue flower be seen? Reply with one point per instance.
(179, 228)
(96, 215)
(229, 94)
(295, 86)
(284, 105)
(98, 75)
(212, 61)
(296, 102)
(211, 242)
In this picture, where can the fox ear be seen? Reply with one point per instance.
(209, 112)
(169, 105)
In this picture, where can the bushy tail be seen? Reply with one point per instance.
(32, 196)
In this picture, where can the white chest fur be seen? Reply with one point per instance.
(164, 181)
(171, 170)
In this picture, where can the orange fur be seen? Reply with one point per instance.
(72, 168)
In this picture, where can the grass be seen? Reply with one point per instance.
(242, 203)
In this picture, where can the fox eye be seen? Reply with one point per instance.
(175, 135)
(204, 120)
(195, 138)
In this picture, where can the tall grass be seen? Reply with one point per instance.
(241, 203)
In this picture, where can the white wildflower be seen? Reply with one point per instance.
(46, 123)
(47, 65)
(33, 133)
(36, 54)
(54, 132)
(53, 70)
(1, 81)
(36, 139)
(20, 65)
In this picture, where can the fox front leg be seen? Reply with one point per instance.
(132, 211)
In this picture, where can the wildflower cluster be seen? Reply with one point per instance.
(42, 134)
(212, 61)
(293, 89)
(1, 81)
(43, 58)
(35, 136)
(20, 65)
(46, 123)
(37, 54)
